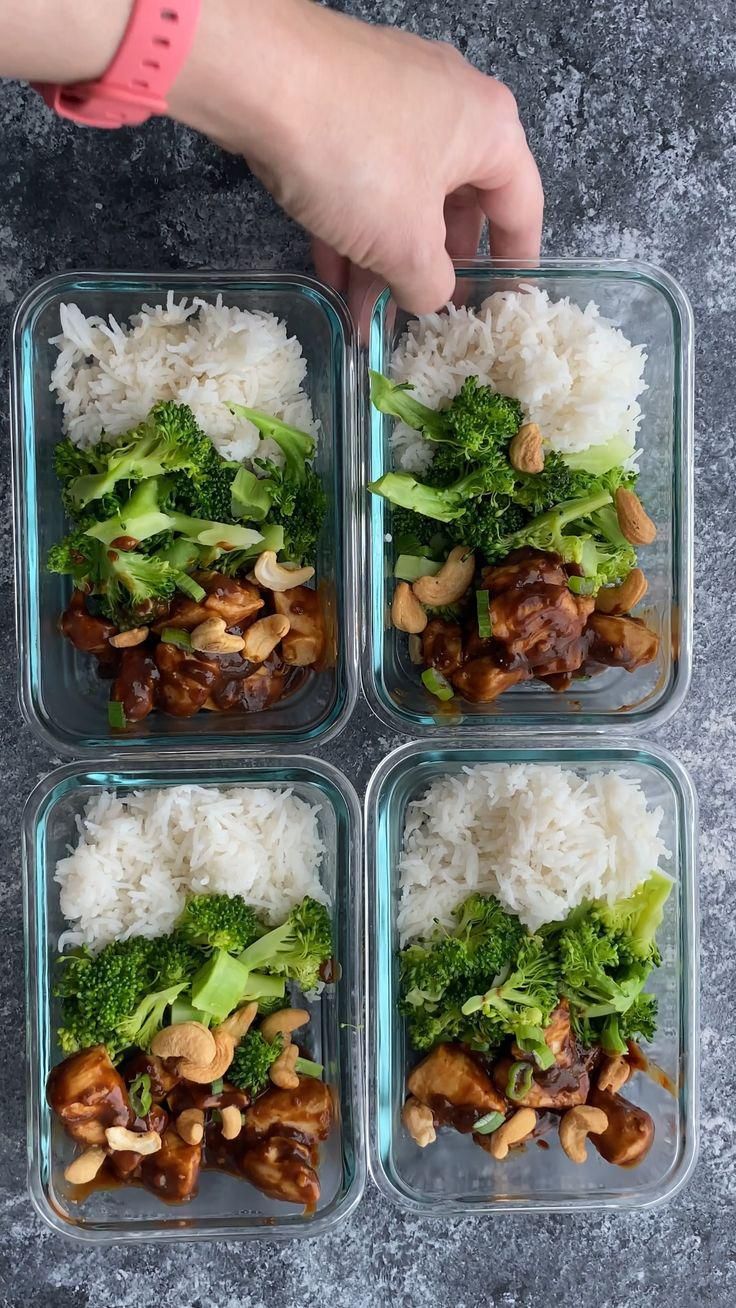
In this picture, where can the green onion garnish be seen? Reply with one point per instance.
(485, 626)
(116, 715)
(519, 1081)
(410, 567)
(307, 1068)
(581, 585)
(488, 1124)
(436, 684)
(217, 1086)
(140, 1095)
(176, 636)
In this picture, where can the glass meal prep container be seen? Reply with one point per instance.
(62, 697)
(454, 1176)
(227, 1207)
(651, 309)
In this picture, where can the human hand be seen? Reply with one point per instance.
(389, 149)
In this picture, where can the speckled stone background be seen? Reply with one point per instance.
(631, 110)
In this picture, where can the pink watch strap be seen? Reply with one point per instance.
(152, 53)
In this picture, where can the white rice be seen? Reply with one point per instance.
(541, 838)
(140, 853)
(575, 373)
(109, 375)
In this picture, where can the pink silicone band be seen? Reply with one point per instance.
(150, 57)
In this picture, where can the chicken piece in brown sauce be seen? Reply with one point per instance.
(305, 644)
(523, 568)
(173, 1172)
(305, 1112)
(236, 601)
(621, 642)
(563, 1085)
(481, 680)
(185, 680)
(136, 683)
(88, 1094)
(281, 1167)
(442, 646)
(455, 1087)
(630, 1132)
(87, 633)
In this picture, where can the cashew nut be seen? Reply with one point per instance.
(633, 519)
(617, 600)
(203, 1073)
(85, 1167)
(515, 1129)
(407, 613)
(277, 576)
(190, 1040)
(282, 1072)
(232, 1122)
(613, 1074)
(576, 1125)
(190, 1125)
(120, 1139)
(283, 1023)
(127, 639)
(238, 1022)
(263, 637)
(525, 450)
(301, 651)
(419, 1122)
(212, 637)
(450, 583)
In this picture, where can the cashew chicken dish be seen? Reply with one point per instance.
(514, 522)
(190, 571)
(185, 1054)
(526, 1006)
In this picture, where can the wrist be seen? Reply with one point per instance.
(238, 85)
(79, 41)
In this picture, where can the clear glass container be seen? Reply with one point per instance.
(651, 309)
(454, 1176)
(62, 698)
(226, 1207)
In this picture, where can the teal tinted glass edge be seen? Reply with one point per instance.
(25, 498)
(340, 795)
(389, 709)
(385, 1042)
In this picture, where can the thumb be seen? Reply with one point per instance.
(424, 280)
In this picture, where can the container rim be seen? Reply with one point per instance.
(377, 296)
(552, 749)
(198, 763)
(207, 282)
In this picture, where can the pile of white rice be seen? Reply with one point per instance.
(140, 853)
(108, 375)
(540, 838)
(575, 373)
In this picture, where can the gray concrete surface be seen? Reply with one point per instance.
(631, 110)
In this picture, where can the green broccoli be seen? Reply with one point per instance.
(296, 446)
(141, 1025)
(478, 422)
(633, 922)
(209, 496)
(638, 1022)
(100, 991)
(443, 504)
(146, 514)
(491, 937)
(168, 440)
(298, 507)
(296, 949)
(219, 922)
(252, 1060)
(427, 968)
(524, 1002)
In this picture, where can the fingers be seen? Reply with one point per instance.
(464, 223)
(330, 266)
(424, 279)
(514, 207)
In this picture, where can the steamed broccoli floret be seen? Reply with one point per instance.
(427, 969)
(298, 507)
(101, 991)
(147, 513)
(208, 496)
(168, 440)
(486, 522)
(443, 504)
(252, 1060)
(219, 922)
(490, 936)
(176, 960)
(633, 922)
(296, 446)
(477, 422)
(297, 948)
(141, 1025)
(523, 1003)
(638, 1022)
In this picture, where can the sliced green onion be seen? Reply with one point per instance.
(482, 604)
(582, 585)
(175, 636)
(116, 715)
(410, 567)
(488, 1124)
(217, 1086)
(436, 684)
(140, 1095)
(189, 586)
(307, 1068)
(473, 1005)
(519, 1081)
